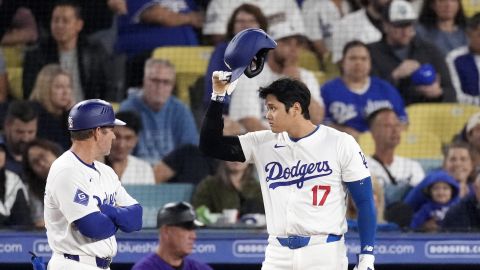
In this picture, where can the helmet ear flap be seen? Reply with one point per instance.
(257, 64)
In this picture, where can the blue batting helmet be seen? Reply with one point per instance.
(247, 51)
(92, 113)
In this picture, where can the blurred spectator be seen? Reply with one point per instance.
(442, 23)
(277, 12)
(472, 136)
(37, 160)
(379, 200)
(167, 122)
(14, 210)
(350, 98)
(232, 187)
(185, 164)
(53, 99)
(441, 191)
(396, 174)
(465, 215)
(87, 62)
(458, 163)
(130, 169)
(17, 23)
(319, 18)
(176, 223)
(3, 79)
(149, 24)
(247, 107)
(463, 66)
(243, 17)
(364, 25)
(417, 68)
(20, 128)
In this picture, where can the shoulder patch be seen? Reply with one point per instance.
(81, 197)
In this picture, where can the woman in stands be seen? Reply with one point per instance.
(350, 98)
(37, 159)
(53, 97)
(244, 17)
(442, 22)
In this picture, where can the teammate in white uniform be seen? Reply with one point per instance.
(304, 171)
(85, 203)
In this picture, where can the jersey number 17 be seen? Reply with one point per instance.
(318, 191)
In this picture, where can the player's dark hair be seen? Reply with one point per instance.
(288, 91)
(81, 135)
(132, 120)
(250, 9)
(373, 115)
(70, 3)
(22, 110)
(36, 184)
(474, 22)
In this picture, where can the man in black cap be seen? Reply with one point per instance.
(176, 222)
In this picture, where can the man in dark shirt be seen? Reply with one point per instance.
(401, 53)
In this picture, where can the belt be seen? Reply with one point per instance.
(298, 241)
(103, 263)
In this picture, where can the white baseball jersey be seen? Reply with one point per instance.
(219, 12)
(245, 101)
(72, 191)
(302, 181)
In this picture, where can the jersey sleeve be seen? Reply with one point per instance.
(353, 162)
(123, 198)
(249, 143)
(72, 194)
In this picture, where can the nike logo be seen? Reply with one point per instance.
(279, 146)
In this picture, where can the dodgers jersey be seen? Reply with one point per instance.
(302, 181)
(72, 191)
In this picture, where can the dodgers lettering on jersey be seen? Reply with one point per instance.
(300, 173)
(302, 181)
(74, 190)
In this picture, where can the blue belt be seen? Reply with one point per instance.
(103, 263)
(297, 241)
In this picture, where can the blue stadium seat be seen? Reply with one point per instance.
(153, 197)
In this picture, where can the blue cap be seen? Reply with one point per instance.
(424, 75)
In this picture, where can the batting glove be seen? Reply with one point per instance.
(221, 84)
(365, 262)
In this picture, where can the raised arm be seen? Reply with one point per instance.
(212, 141)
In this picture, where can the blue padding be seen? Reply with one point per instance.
(96, 225)
(362, 195)
(129, 218)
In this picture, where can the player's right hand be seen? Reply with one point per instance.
(221, 83)
(365, 262)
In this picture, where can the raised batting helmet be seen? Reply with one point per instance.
(92, 113)
(178, 214)
(247, 51)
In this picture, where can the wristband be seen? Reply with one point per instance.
(217, 97)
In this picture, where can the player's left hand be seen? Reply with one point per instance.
(365, 262)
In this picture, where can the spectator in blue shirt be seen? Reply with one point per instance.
(167, 122)
(350, 98)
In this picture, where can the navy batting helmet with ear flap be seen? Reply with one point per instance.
(246, 52)
(92, 113)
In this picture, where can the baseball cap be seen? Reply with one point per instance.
(286, 29)
(179, 214)
(424, 75)
(473, 121)
(400, 13)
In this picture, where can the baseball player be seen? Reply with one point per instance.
(85, 203)
(304, 171)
